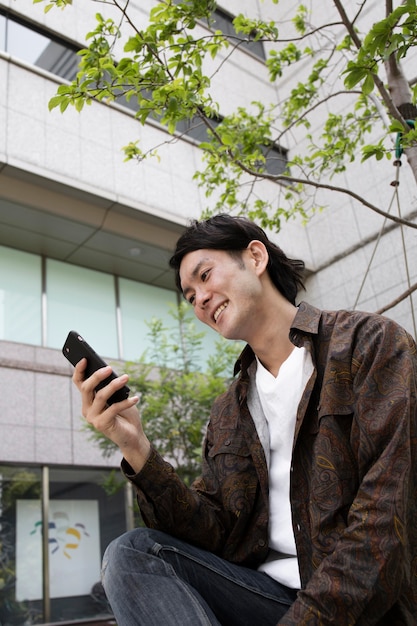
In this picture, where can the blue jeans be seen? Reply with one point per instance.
(153, 579)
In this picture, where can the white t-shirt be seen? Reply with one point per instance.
(279, 397)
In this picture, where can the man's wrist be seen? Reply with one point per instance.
(137, 458)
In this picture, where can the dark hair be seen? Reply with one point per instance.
(233, 234)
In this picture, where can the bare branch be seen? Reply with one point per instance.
(350, 193)
(400, 298)
(347, 23)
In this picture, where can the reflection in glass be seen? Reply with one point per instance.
(16, 485)
(24, 43)
(38, 49)
(85, 511)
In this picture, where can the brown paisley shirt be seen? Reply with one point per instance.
(353, 477)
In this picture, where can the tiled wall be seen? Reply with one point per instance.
(40, 410)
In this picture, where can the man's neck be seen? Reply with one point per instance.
(272, 344)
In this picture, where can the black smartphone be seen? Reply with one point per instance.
(75, 348)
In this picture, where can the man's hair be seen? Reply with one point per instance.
(233, 234)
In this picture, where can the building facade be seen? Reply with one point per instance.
(85, 239)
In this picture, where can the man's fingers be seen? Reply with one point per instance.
(90, 383)
(110, 388)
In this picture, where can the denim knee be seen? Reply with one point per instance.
(118, 552)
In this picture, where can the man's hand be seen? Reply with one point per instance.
(119, 422)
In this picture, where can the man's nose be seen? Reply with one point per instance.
(202, 298)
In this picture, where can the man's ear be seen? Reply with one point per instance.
(258, 253)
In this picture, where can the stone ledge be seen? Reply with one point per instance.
(33, 366)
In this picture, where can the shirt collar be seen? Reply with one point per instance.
(307, 319)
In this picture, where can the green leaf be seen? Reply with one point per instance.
(368, 85)
(54, 102)
(396, 127)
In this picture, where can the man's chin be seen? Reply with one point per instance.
(227, 334)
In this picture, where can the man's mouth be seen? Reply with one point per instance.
(219, 310)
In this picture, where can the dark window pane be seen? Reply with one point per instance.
(19, 488)
(86, 510)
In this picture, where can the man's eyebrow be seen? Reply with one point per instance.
(194, 275)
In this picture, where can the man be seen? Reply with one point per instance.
(305, 512)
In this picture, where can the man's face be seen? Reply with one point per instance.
(223, 290)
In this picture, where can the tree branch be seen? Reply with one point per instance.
(347, 192)
(347, 23)
(400, 298)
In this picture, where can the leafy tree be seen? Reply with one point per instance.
(160, 70)
(176, 396)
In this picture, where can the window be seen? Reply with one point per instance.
(139, 304)
(20, 302)
(60, 58)
(220, 20)
(111, 312)
(275, 155)
(77, 298)
(83, 515)
(31, 45)
(17, 484)
(223, 21)
(84, 300)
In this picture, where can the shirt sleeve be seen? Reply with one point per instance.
(167, 504)
(372, 566)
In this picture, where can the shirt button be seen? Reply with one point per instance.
(261, 542)
(298, 527)
(227, 442)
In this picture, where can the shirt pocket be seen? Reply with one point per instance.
(232, 460)
(235, 446)
(235, 471)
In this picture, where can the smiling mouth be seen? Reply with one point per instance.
(217, 312)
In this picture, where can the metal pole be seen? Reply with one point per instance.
(129, 504)
(45, 545)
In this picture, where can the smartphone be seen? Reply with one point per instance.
(75, 348)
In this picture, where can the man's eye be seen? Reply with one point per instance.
(204, 275)
(191, 299)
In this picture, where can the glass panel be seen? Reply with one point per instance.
(139, 303)
(20, 296)
(276, 160)
(224, 22)
(87, 511)
(195, 128)
(19, 487)
(83, 300)
(25, 43)
(31, 46)
(2, 33)
(59, 60)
